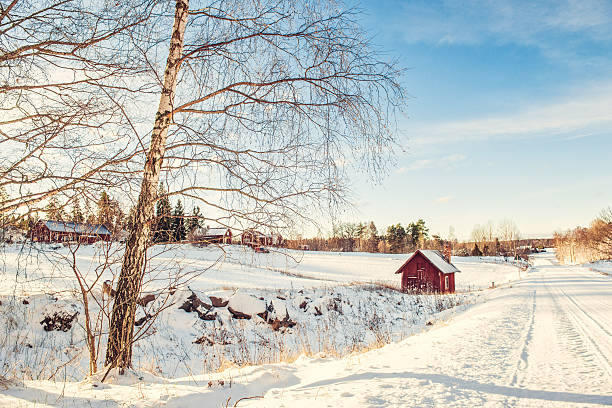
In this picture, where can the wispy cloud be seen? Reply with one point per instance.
(441, 161)
(588, 113)
(444, 199)
(475, 21)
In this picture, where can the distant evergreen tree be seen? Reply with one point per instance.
(109, 213)
(163, 228)
(178, 223)
(417, 233)
(195, 221)
(476, 251)
(77, 213)
(396, 237)
(55, 211)
(104, 210)
(372, 238)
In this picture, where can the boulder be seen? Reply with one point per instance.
(145, 300)
(193, 303)
(142, 320)
(277, 310)
(208, 315)
(218, 301)
(277, 323)
(245, 306)
(237, 314)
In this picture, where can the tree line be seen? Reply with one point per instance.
(171, 224)
(586, 244)
(364, 237)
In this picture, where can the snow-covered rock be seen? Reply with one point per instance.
(245, 306)
(279, 310)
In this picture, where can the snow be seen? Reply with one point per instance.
(338, 311)
(247, 304)
(226, 267)
(438, 260)
(604, 267)
(544, 341)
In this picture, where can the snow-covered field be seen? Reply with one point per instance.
(234, 266)
(329, 296)
(544, 341)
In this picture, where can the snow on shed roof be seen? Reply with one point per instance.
(217, 231)
(436, 258)
(76, 227)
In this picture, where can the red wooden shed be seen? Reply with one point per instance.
(428, 271)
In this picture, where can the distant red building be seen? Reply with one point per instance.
(428, 271)
(64, 231)
(255, 238)
(218, 236)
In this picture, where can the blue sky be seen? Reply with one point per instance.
(510, 114)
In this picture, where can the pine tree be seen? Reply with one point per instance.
(417, 233)
(77, 213)
(109, 213)
(163, 228)
(104, 215)
(55, 211)
(178, 223)
(372, 235)
(195, 221)
(396, 237)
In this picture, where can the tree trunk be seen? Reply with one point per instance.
(121, 331)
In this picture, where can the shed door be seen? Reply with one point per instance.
(421, 271)
(446, 282)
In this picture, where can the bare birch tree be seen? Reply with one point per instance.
(253, 110)
(260, 103)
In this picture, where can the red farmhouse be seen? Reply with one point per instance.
(218, 236)
(428, 271)
(64, 231)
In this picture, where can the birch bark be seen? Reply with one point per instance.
(121, 330)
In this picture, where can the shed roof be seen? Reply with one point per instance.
(216, 231)
(436, 258)
(76, 227)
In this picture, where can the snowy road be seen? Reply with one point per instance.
(547, 341)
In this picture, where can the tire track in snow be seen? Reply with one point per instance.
(523, 362)
(571, 299)
(575, 312)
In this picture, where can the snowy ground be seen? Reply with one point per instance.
(604, 267)
(233, 266)
(356, 316)
(546, 341)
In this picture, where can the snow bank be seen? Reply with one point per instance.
(601, 266)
